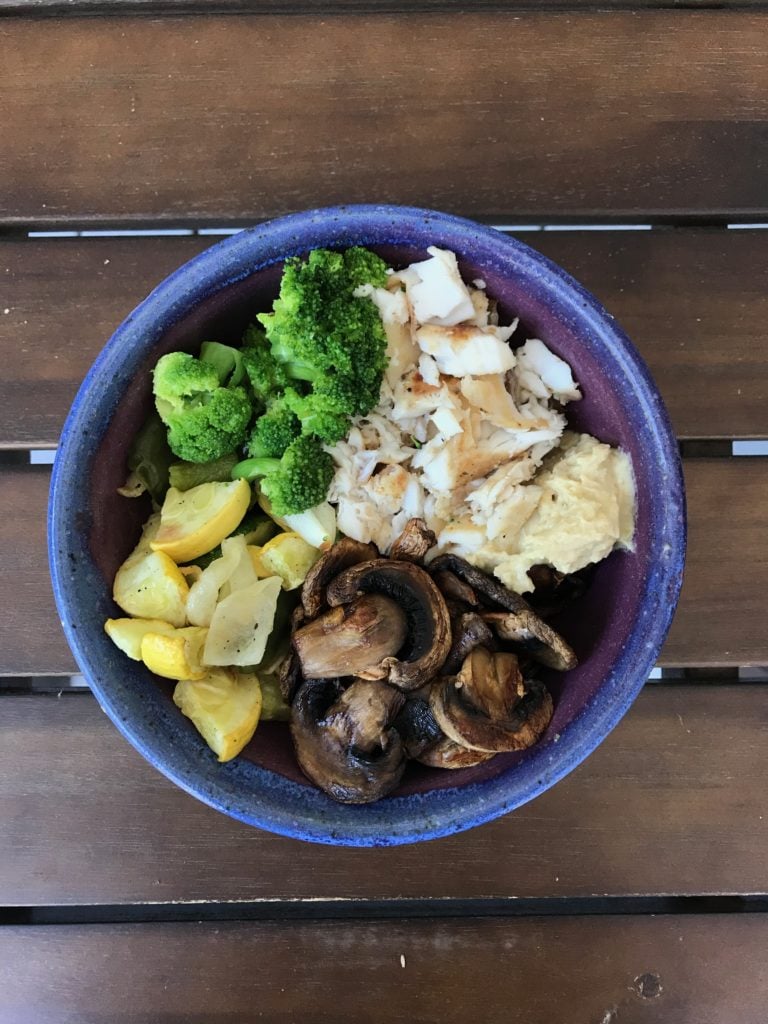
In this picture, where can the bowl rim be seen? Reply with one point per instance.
(434, 813)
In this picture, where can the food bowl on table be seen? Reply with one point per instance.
(616, 627)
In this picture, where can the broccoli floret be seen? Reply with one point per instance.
(267, 377)
(319, 413)
(273, 432)
(204, 419)
(294, 483)
(319, 330)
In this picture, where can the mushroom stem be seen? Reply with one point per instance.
(428, 624)
(352, 640)
(413, 543)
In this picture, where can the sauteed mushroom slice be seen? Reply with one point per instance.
(553, 590)
(289, 675)
(355, 639)
(428, 637)
(344, 553)
(413, 543)
(426, 742)
(518, 623)
(526, 630)
(454, 589)
(447, 754)
(489, 589)
(344, 739)
(489, 706)
(468, 631)
(417, 726)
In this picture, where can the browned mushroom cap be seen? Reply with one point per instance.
(488, 588)
(447, 754)
(428, 637)
(526, 630)
(426, 742)
(289, 673)
(344, 740)
(413, 543)
(455, 589)
(553, 590)
(417, 726)
(343, 554)
(520, 625)
(468, 631)
(488, 706)
(356, 639)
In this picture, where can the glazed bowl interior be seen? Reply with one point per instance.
(616, 628)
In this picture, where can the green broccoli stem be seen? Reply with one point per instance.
(301, 371)
(185, 475)
(295, 369)
(226, 361)
(252, 469)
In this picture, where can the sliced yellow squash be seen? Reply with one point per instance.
(193, 522)
(175, 655)
(149, 585)
(288, 556)
(259, 568)
(224, 706)
(241, 624)
(127, 634)
(148, 533)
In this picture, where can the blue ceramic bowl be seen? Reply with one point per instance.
(617, 628)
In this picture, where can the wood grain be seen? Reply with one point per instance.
(330, 7)
(672, 802)
(31, 639)
(634, 970)
(489, 114)
(719, 620)
(694, 302)
(65, 297)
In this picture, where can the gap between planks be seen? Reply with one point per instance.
(343, 909)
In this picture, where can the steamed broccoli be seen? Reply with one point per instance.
(204, 419)
(294, 483)
(267, 377)
(227, 361)
(322, 412)
(322, 333)
(273, 432)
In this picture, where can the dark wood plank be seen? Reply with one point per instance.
(693, 301)
(65, 297)
(326, 7)
(183, 120)
(672, 802)
(719, 621)
(721, 617)
(633, 970)
(31, 639)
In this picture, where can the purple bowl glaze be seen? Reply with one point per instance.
(617, 628)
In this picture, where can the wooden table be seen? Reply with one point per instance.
(618, 897)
